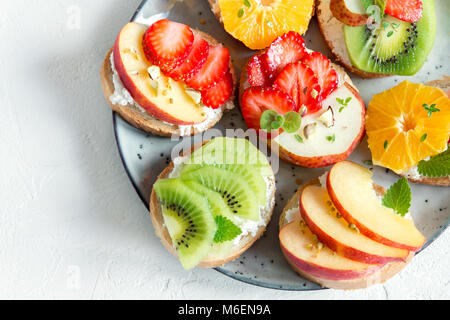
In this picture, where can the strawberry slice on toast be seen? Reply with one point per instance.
(327, 76)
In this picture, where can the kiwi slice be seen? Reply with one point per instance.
(234, 189)
(250, 173)
(396, 47)
(189, 220)
(225, 150)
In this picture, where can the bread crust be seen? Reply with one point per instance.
(143, 120)
(443, 84)
(210, 261)
(326, 28)
(386, 272)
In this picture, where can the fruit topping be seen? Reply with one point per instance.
(257, 23)
(193, 63)
(327, 76)
(286, 49)
(395, 47)
(300, 83)
(257, 76)
(188, 219)
(401, 127)
(346, 14)
(167, 43)
(256, 100)
(217, 95)
(405, 10)
(214, 69)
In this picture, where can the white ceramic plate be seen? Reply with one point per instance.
(145, 156)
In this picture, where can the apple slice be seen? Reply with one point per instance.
(296, 243)
(316, 209)
(350, 189)
(334, 134)
(162, 97)
(349, 12)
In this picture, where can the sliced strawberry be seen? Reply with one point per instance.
(257, 76)
(300, 83)
(286, 49)
(214, 69)
(193, 63)
(320, 65)
(167, 43)
(256, 100)
(405, 10)
(217, 95)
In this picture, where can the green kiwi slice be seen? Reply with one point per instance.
(234, 189)
(223, 150)
(189, 220)
(250, 173)
(395, 47)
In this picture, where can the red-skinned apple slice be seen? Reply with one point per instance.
(169, 102)
(319, 149)
(297, 243)
(337, 234)
(344, 12)
(349, 180)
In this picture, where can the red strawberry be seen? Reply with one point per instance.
(320, 65)
(193, 63)
(257, 76)
(256, 100)
(405, 10)
(216, 96)
(213, 70)
(286, 49)
(300, 83)
(167, 43)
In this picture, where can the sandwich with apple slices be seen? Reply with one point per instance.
(377, 38)
(210, 205)
(168, 79)
(309, 108)
(334, 238)
(408, 129)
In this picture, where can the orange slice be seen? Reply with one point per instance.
(401, 128)
(258, 22)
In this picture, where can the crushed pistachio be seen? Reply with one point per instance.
(194, 94)
(154, 72)
(327, 118)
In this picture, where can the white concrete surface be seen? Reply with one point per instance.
(71, 224)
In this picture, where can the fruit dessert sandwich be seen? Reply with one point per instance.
(257, 23)
(408, 129)
(168, 79)
(210, 205)
(344, 232)
(376, 38)
(311, 111)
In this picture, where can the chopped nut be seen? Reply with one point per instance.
(303, 110)
(309, 130)
(195, 95)
(314, 94)
(154, 85)
(154, 72)
(319, 246)
(327, 118)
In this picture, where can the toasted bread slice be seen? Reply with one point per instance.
(380, 276)
(210, 261)
(332, 32)
(145, 121)
(444, 84)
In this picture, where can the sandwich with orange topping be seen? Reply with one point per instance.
(168, 79)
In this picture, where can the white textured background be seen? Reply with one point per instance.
(71, 224)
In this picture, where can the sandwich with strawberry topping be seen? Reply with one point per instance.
(308, 107)
(168, 79)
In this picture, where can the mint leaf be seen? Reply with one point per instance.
(398, 197)
(438, 166)
(226, 230)
(292, 122)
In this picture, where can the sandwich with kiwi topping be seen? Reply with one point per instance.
(210, 205)
(377, 38)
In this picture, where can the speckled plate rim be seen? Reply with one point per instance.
(221, 270)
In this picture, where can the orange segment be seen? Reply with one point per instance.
(258, 22)
(401, 132)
